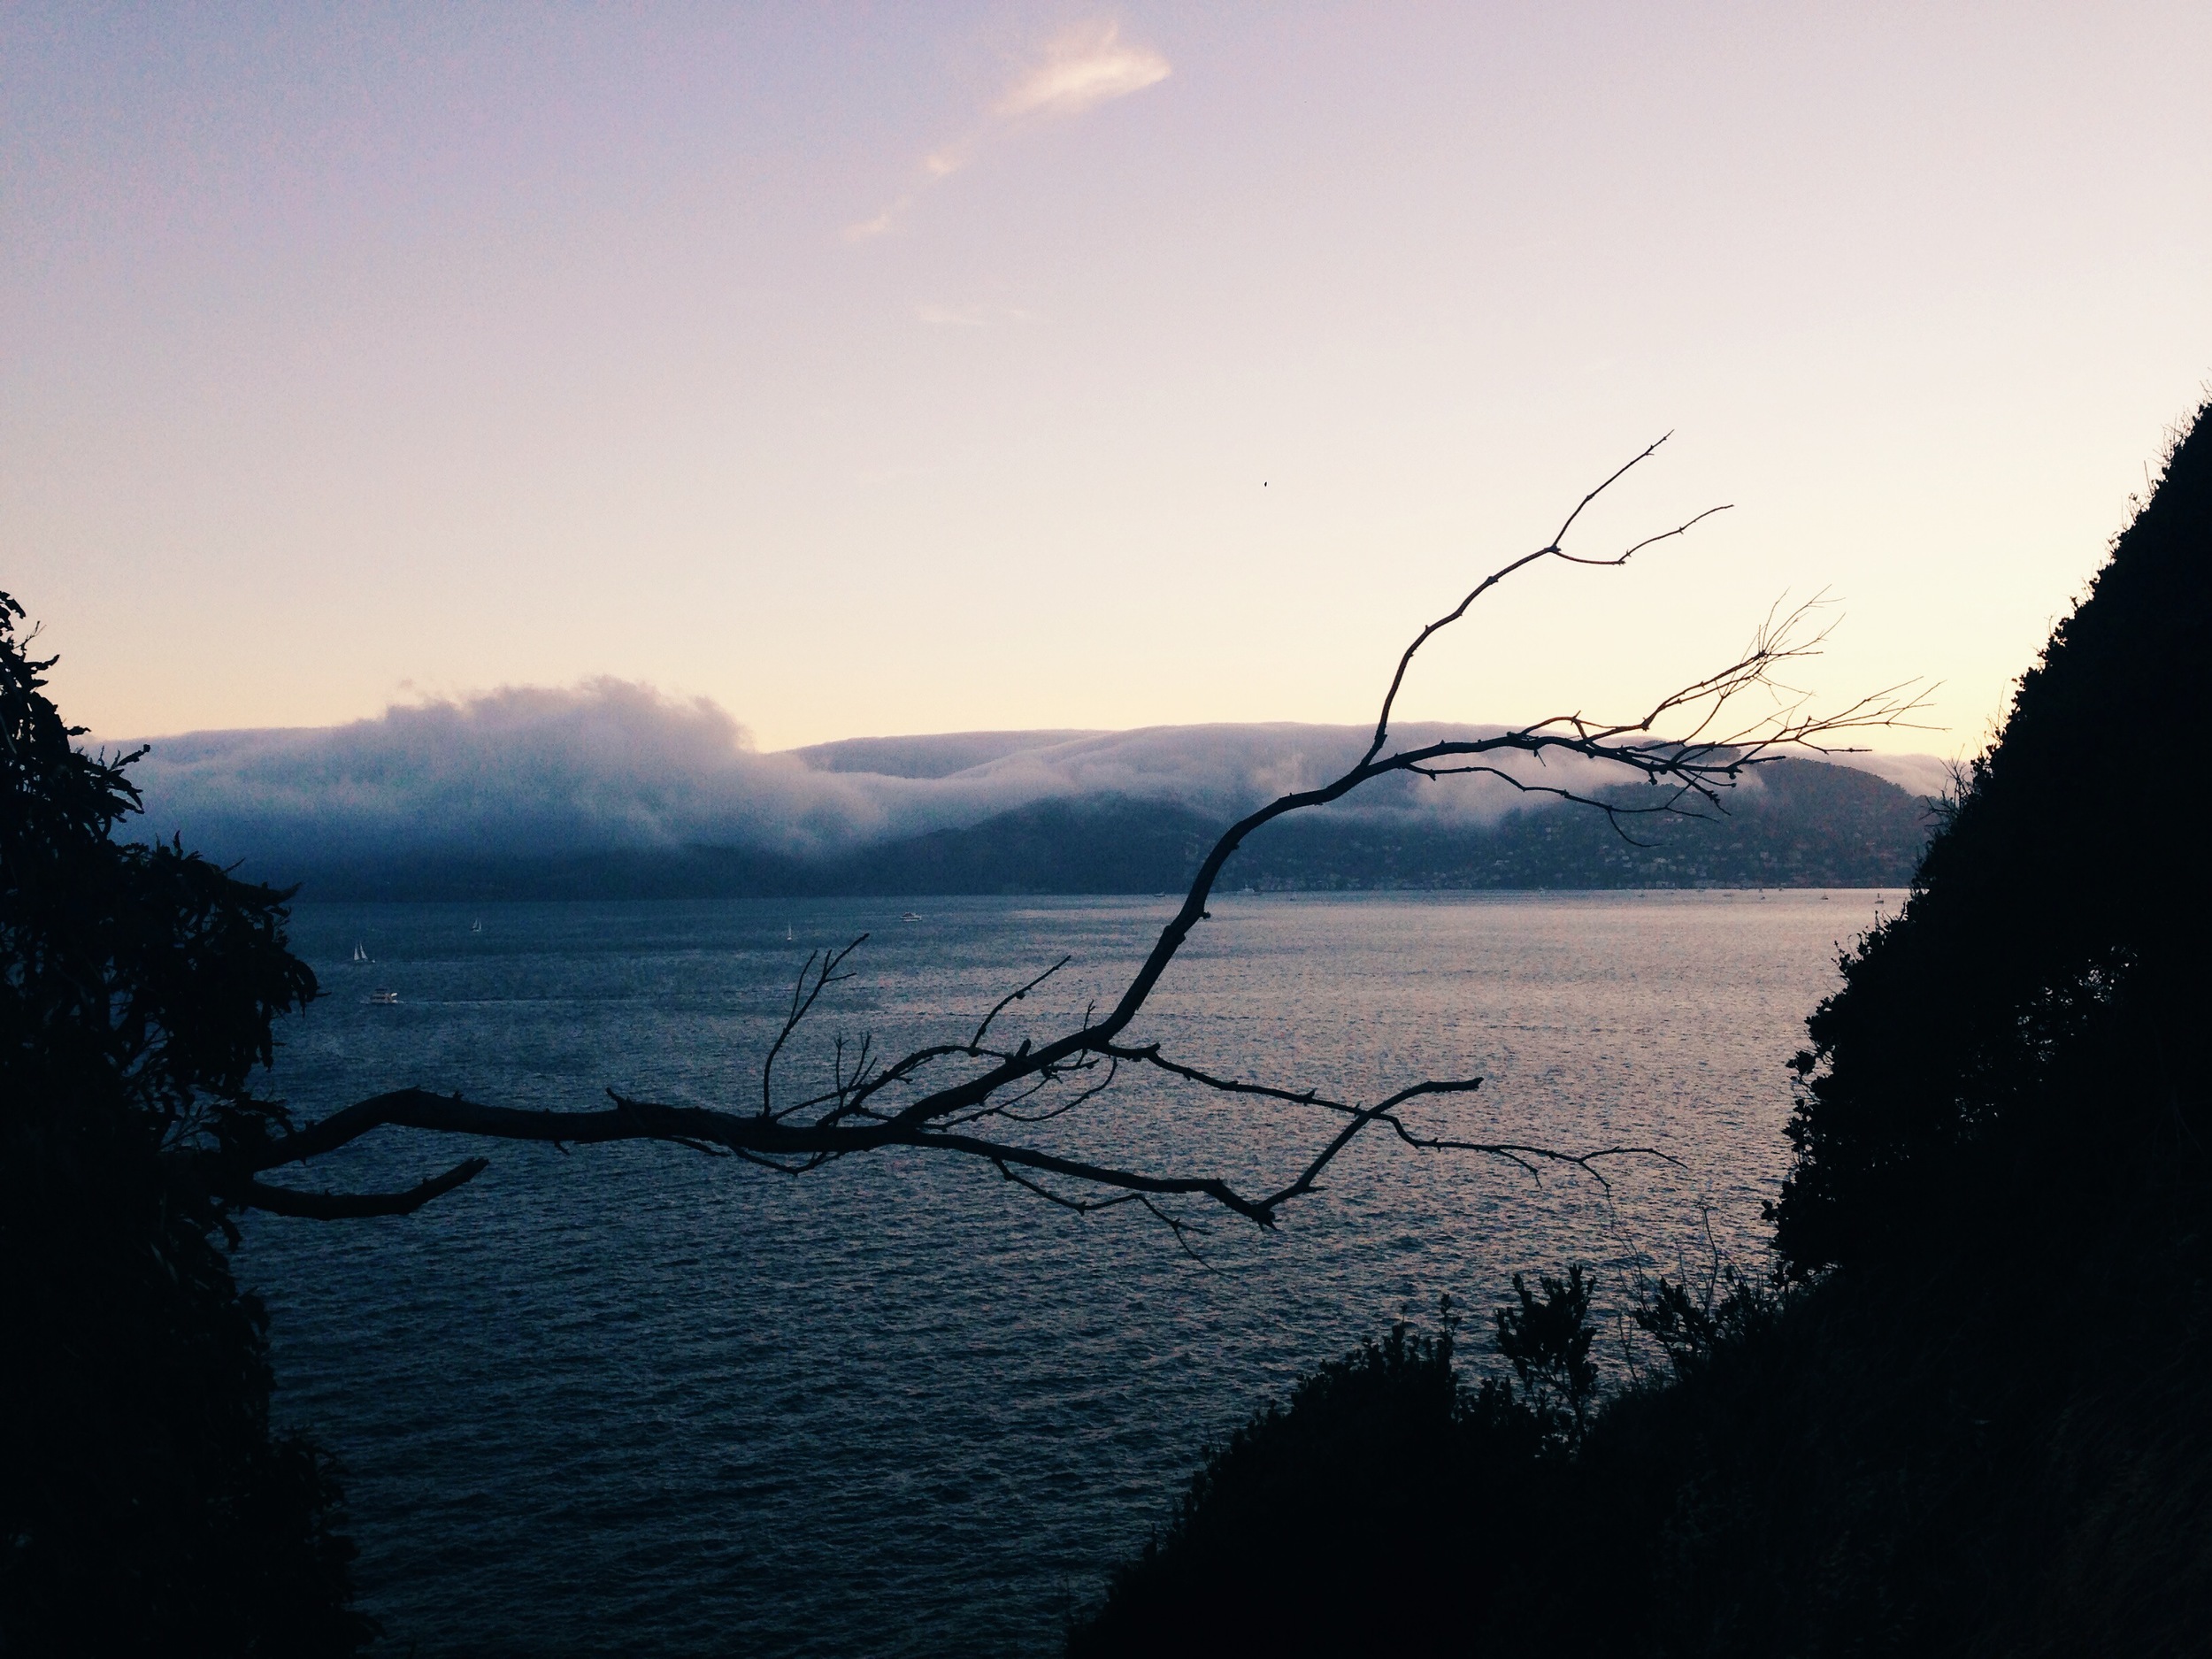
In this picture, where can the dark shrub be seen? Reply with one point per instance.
(145, 1506)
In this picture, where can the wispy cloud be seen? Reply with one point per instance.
(1085, 66)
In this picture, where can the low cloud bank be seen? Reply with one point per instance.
(612, 764)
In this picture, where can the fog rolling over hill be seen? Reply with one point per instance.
(1810, 824)
(939, 755)
(609, 790)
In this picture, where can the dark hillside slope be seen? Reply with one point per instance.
(1978, 1419)
(2049, 977)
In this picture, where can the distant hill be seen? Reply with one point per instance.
(1805, 824)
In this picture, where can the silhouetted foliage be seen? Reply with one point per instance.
(1692, 1326)
(147, 1506)
(1546, 1340)
(1890, 1462)
(1362, 1511)
(2038, 994)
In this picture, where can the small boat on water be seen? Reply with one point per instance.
(909, 917)
(476, 927)
(359, 955)
(787, 932)
(382, 999)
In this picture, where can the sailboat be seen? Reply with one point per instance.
(787, 932)
(359, 955)
(476, 927)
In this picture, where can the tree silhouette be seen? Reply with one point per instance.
(147, 1506)
(2052, 953)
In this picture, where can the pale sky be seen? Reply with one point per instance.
(908, 369)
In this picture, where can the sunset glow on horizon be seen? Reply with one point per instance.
(871, 371)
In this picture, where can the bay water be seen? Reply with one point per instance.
(634, 1400)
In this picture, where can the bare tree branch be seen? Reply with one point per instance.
(802, 1001)
(1014, 996)
(1692, 745)
(285, 1200)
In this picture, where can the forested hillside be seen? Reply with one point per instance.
(1799, 823)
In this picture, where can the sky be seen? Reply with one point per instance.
(892, 370)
